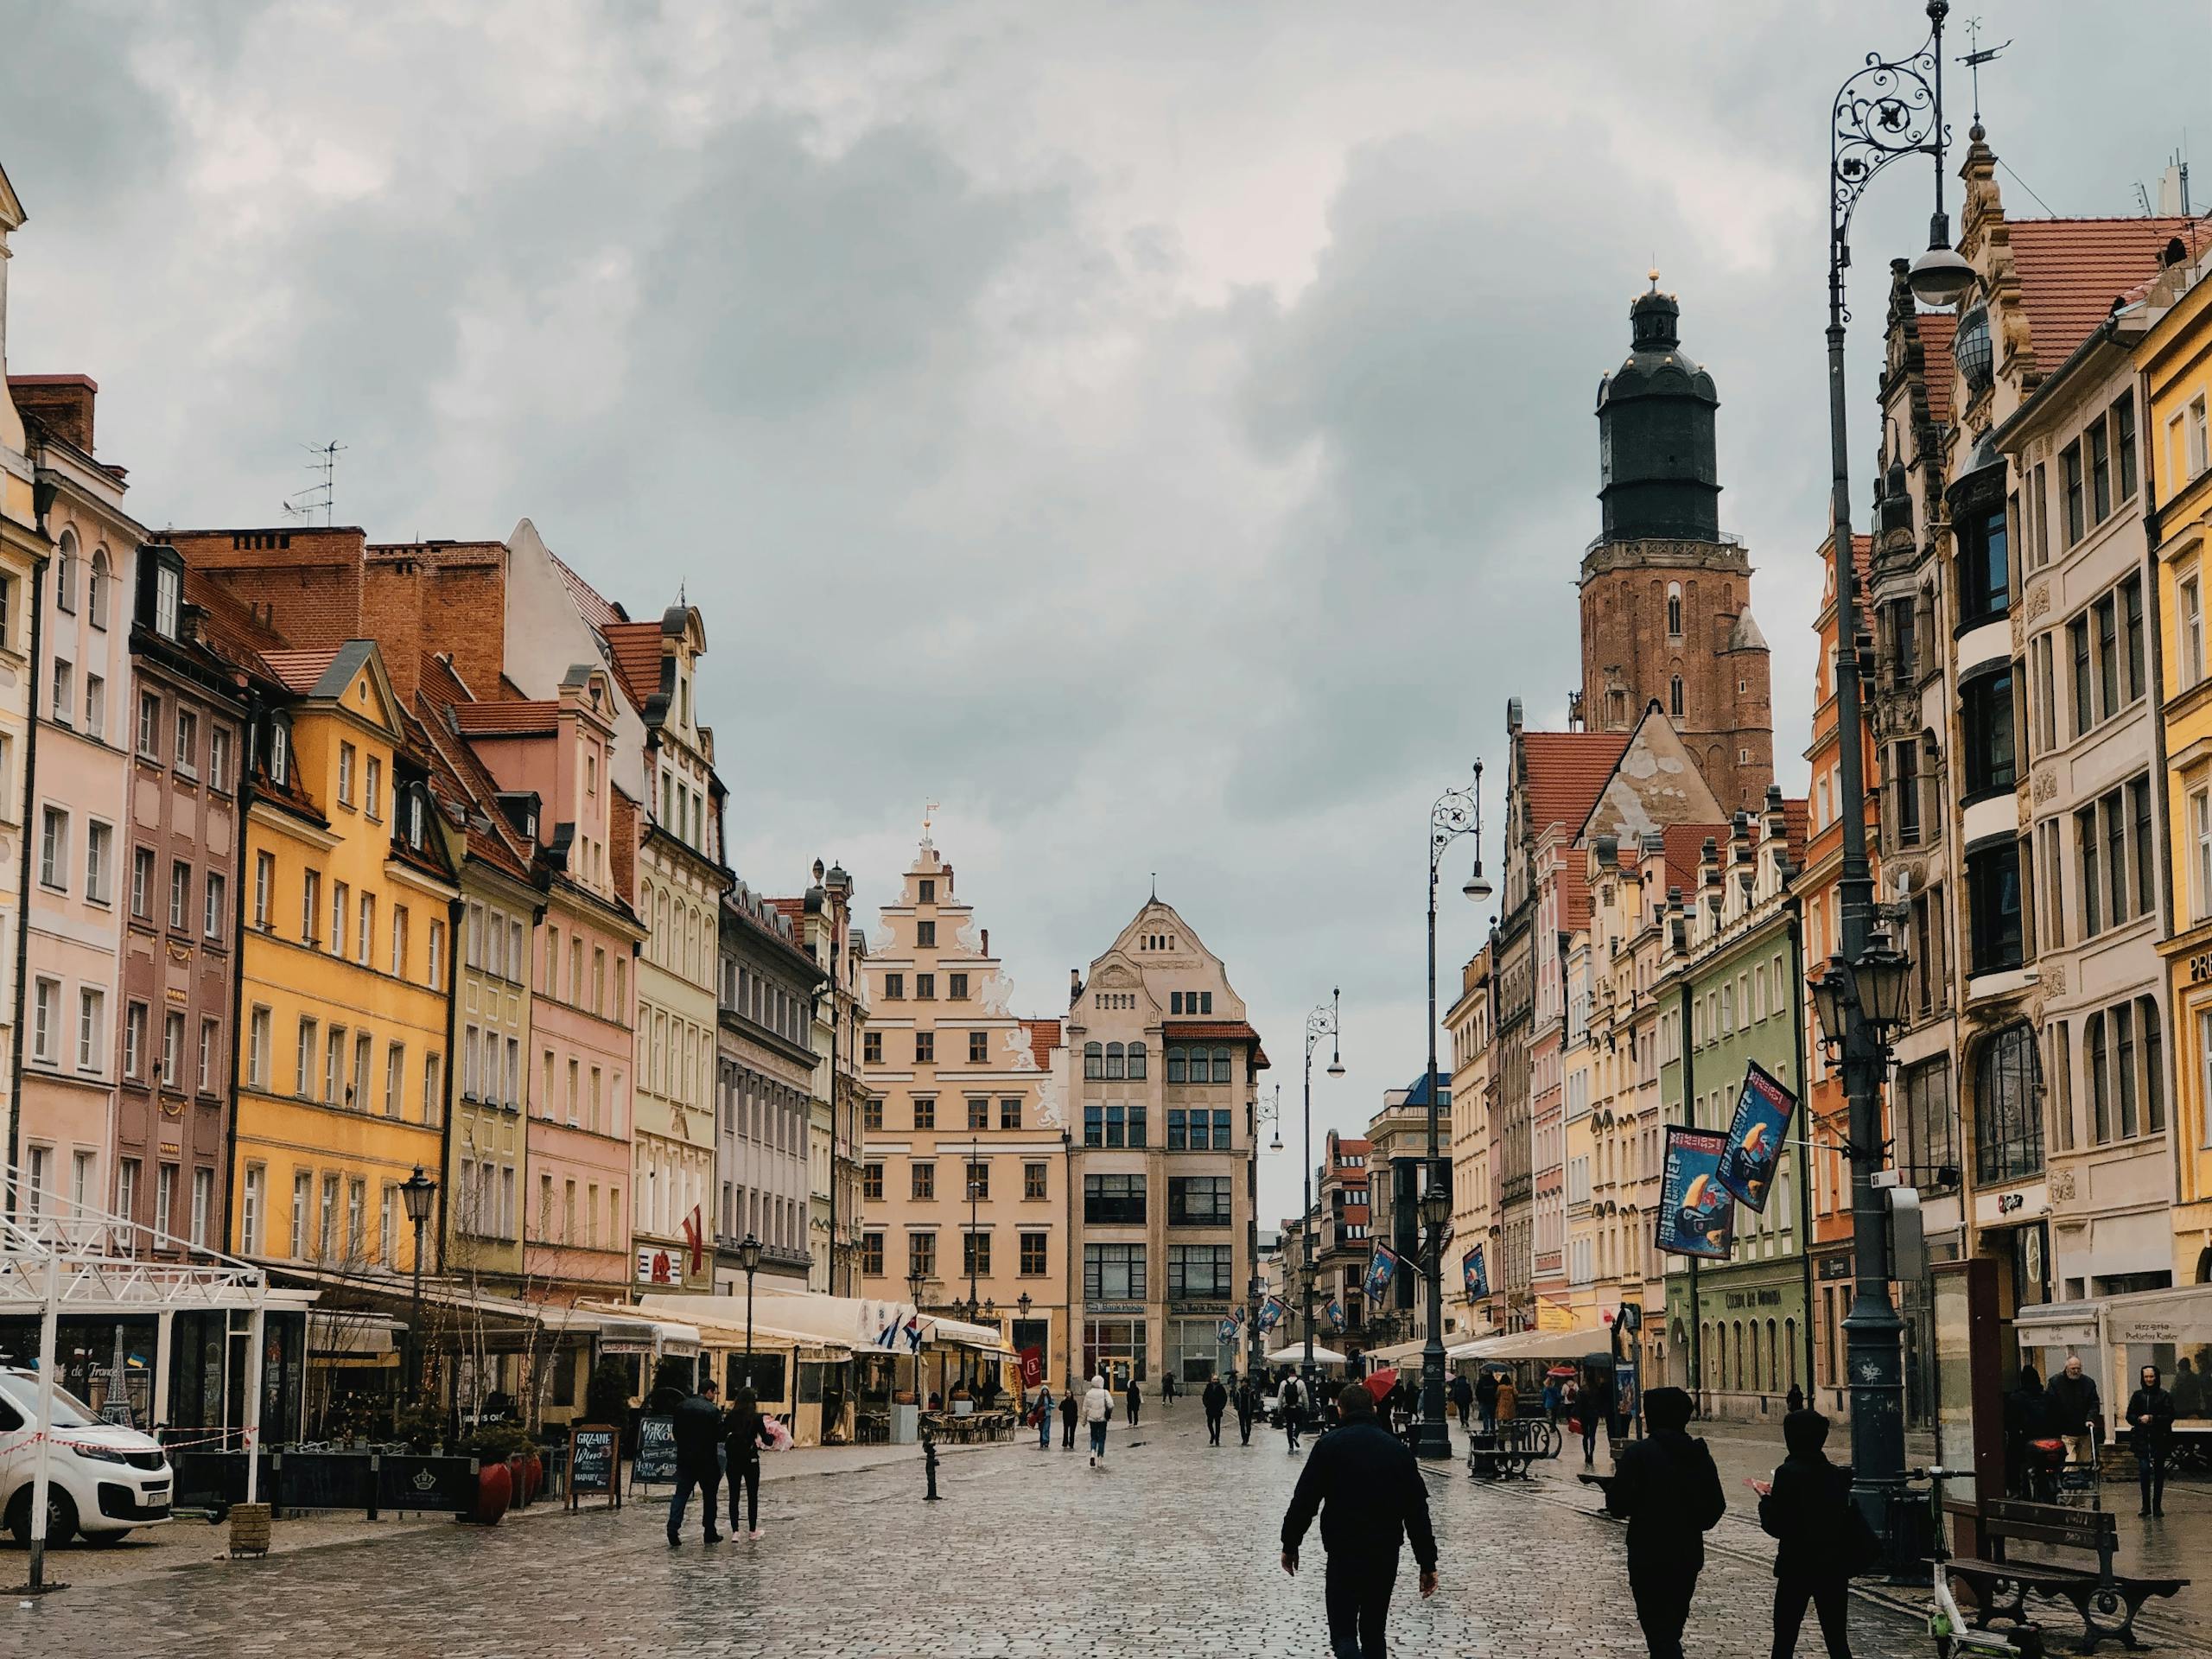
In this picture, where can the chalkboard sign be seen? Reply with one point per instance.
(595, 1462)
(656, 1451)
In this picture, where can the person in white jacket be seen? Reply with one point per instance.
(1097, 1411)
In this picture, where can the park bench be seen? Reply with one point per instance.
(1505, 1453)
(2108, 1601)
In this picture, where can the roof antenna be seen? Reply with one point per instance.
(302, 504)
(1976, 56)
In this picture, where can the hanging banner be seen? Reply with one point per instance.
(1032, 1367)
(1764, 1111)
(1696, 1214)
(1380, 1272)
(1226, 1331)
(1335, 1312)
(1476, 1274)
(1273, 1314)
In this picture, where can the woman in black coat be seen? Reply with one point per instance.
(2151, 1426)
(1806, 1509)
(2027, 1419)
(744, 1433)
(1135, 1399)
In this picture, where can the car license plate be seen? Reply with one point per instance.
(158, 1494)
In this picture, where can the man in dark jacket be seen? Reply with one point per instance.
(1806, 1508)
(2027, 1420)
(1247, 1408)
(2076, 1410)
(2151, 1426)
(1595, 1405)
(1666, 1488)
(1216, 1401)
(1370, 1495)
(1135, 1399)
(1486, 1400)
(698, 1430)
(1462, 1395)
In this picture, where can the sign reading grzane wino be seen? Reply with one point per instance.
(594, 1463)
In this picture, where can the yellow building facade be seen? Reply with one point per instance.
(346, 969)
(2175, 359)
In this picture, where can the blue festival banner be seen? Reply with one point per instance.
(1227, 1330)
(1380, 1272)
(1336, 1314)
(1476, 1274)
(1764, 1112)
(1697, 1216)
(1273, 1314)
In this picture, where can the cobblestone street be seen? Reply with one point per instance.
(1171, 1550)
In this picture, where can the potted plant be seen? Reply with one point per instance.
(498, 1449)
(419, 1426)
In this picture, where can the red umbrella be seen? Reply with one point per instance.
(1379, 1383)
(1560, 1370)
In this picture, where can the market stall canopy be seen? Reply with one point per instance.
(854, 1322)
(1398, 1351)
(1534, 1344)
(1296, 1354)
(720, 1322)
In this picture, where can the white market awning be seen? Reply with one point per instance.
(861, 1324)
(1295, 1355)
(1537, 1345)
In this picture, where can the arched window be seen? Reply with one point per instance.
(1136, 1060)
(1114, 1060)
(1221, 1065)
(100, 588)
(1675, 610)
(1175, 1065)
(2154, 1066)
(65, 573)
(1790, 1347)
(1773, 1357)
(1093, 1061)
(1675, 696)
(2008, 1120)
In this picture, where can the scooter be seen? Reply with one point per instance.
(1947, 1624)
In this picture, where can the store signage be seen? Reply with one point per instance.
(594, 1461)
(2200, 968)
(1835, 1267)
(655, 1459)
(659, 1266)
(1115, 1307)
(1760, 1298)
(2012, 1206)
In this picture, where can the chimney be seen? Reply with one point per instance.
(1075, 983)
(62, 403)
(986, 941)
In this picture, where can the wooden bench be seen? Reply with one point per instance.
(2106, 1601)
(1502, 1456)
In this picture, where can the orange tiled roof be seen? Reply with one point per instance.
(1566, 773)
(229, 627)
(635, 647)
(1936, 328)
(1686, 851)
(2072, 271)
(1573, 894)
(1795, 819)
(595, 606)
(507, 719)
(300, 669)
(1211, 1031)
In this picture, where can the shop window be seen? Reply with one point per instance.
(2008, 1109)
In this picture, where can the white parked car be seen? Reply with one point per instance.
(102, 1479)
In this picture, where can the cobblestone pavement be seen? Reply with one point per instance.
(1169, 1550)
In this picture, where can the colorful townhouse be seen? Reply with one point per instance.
(73, 916)
(346, 968)
(24, 553)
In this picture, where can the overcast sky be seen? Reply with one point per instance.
(1160, 434)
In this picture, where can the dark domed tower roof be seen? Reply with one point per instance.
(1654, 435)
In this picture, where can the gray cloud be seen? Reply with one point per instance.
(1163, 435)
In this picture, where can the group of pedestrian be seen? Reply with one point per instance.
(710, 1444)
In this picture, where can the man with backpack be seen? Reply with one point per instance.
(1292, 1401)
(1666, 1487)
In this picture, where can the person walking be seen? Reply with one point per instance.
(1806, 1508)
(697, 1429)
(1462, 1395)
(2151, 1426)
(1043, 1417)
(1291, 1401)
(1135, 1398)
(1216, 1401)
(1507, 1405)
(1553, 1400)
(1486, 1401)
(2027, 1420)
(2189, 1389)
(1069, 1406)
(744, 1433)
(1247, 1408)
(1167, 1391)
(1369, 1492)
(1666, 1487)
(1595, 1402)
(1098, 1411)
(2075, 1411)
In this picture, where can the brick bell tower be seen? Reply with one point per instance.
(1666, 597)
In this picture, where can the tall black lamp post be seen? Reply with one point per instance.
(417, 1192)
(838, 887)
(748, 1255)
(1884, 111)
(1325, 1020)
(1458, 812)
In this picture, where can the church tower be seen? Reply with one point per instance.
(1666, 597)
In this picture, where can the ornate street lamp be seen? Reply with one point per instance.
(1885, 109)
(1458, 812)
(1325, 1020)
(417, 1192)
(748, 1255)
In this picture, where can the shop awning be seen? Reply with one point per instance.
(861, 1324)
(2056, 1325)
(623, 1332)
(1537, 1345)
(719, 1322)
(1399, 1351)
(2182, 1316)
(1295, 1355)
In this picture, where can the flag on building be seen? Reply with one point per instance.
(1476, 1274)
(1335, 1312)
(1381, 1271)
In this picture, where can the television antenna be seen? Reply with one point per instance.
(303, 504)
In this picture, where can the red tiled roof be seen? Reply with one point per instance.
(1211, 1031)
(1686, 851)
(1573, 894)
(1566, 773)
(228, 627)
(1044, 1037)
(2072, 271)
(1936, 328)
(635, 647)
(508, 719)
(300, 669)
(595, 606)
(793, 909)
(1795, 820)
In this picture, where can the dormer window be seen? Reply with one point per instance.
(280, 752)
(168, 592)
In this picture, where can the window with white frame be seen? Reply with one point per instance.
(46, 1019)
(91, 1029)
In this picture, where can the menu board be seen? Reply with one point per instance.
(656, 1451)
(595, 1462)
